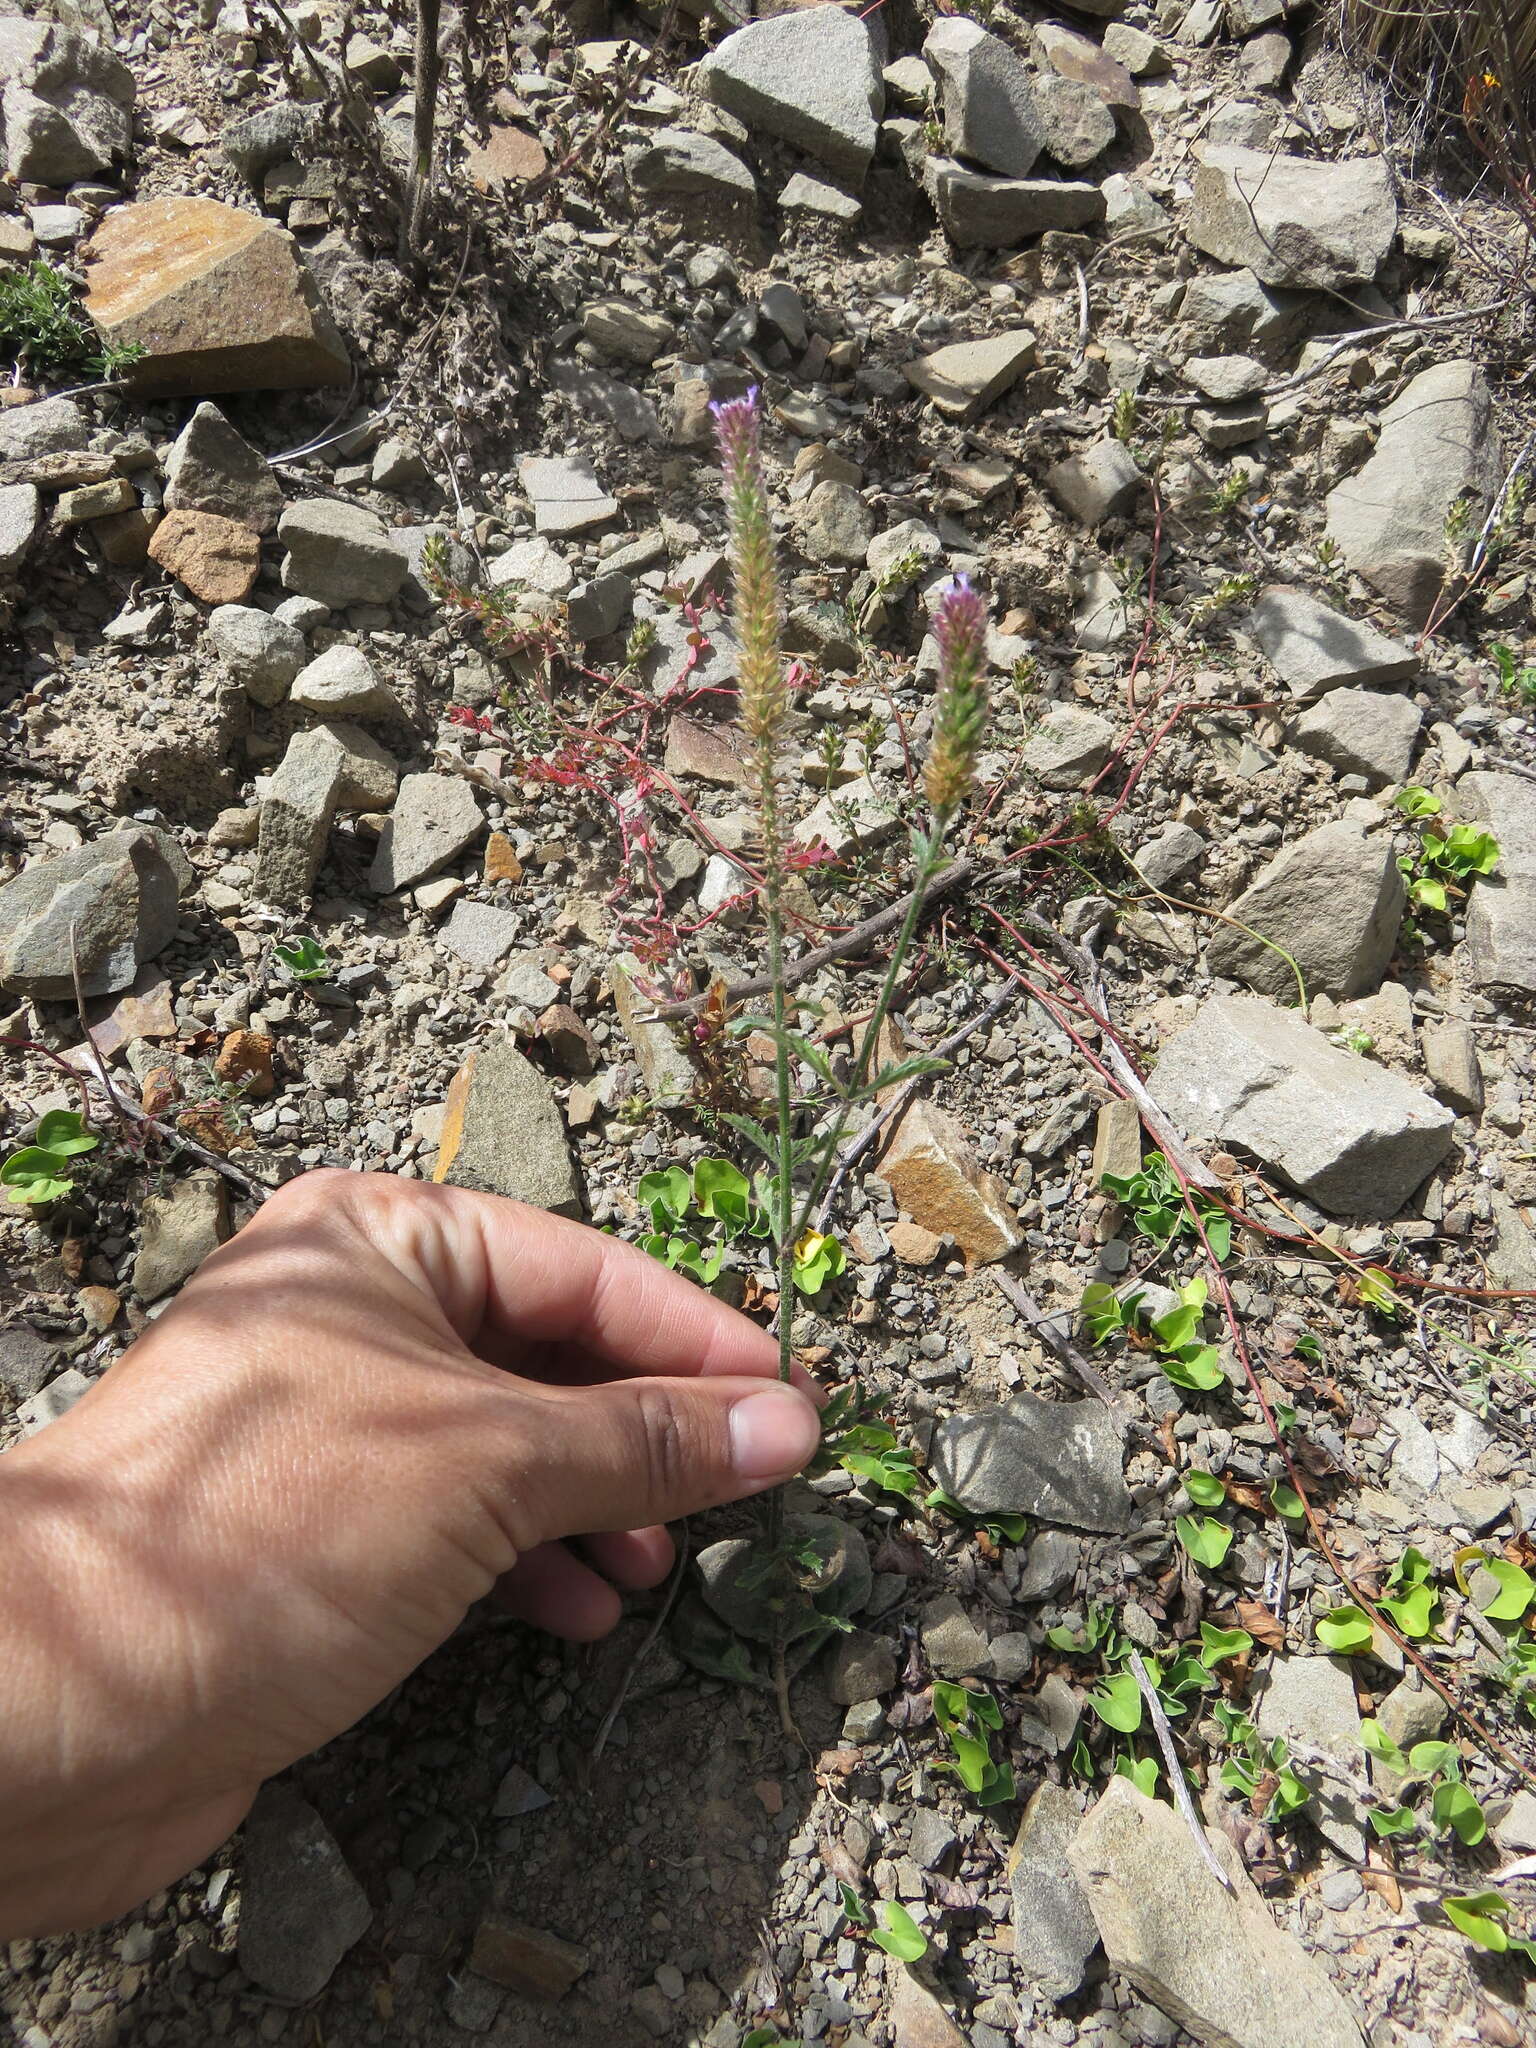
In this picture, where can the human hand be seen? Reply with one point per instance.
(378, 1403)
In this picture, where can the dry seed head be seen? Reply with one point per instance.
(960, 628)
(764, 691)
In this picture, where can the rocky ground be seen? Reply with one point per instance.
(366, 718)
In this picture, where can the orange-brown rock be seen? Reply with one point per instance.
(509, 156)
(99, 1306)
(501, 861)
(245, 1062)
(935, 1175)
(218, 299)
(217, 559)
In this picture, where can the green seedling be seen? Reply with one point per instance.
(1204, 1539)
(967, 1719)
(45, 334)
(1446, 860)
(1159, 1209)
(1185, 1360)
(1346, 1630)
(40, 1172)
(1411, 1598)
(1257, 1766)
(1205, 1489)
(696, 1219)
(901, 1936)
(1516, 678)
(305, 958)
(1480, 1916)
(1452, 1808)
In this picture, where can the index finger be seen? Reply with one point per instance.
(509, 1276)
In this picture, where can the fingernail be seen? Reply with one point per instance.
(772, 1433)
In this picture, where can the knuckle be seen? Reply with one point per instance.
(668, 1441)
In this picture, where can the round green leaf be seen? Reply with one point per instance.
(1206, 1541)
(1345, 1630)
(1205, 1489)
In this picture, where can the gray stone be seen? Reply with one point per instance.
(301, 1908)
(118, 896)
(1209, 1956)
(1226, 379)
(1450, 1060)
(339, 553)
(367, 777)
(857, 815)
(26, 1359)
(931, 1839)
(1068, 745)
(565, 494)
(1438, 448)
(1233, 312)
(270, 136)
(398, 466)
(48, 426)
(1170, 854)
(902, 554)
(979, 211)
(682, 160)
(1230, 426)
(805, 194)
(525, 982)
(1061, 1461)
(1308, 225)
(1101, 483)
(836, 524)
(1266, 60)
(859, 1667)
(811, 78)
(599, 607)
(211, 468)
(484, 935)
(1515, 1833)
(953, 1645)
(962, 380)
(1054, 1932)
(1101, 618)
(435, 819)
(1313, 648)
(1078, 125)
(503, 1132)
(986, 97)
(260, 652)
(52, 1401)
(1141, 54)
(1129, 207)
(21, 510)
(1333, 899)
(531, 565)
(1310, 1702)
(664, 1067)
(1360, 732)
(620, 328)
(342, 683)
(177, 1231)
(601, 397)
(66, 109)
(1051, 1564)
(1355, 1137)
(296, 814)
(1500, 945)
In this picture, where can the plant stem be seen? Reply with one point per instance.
(932, 861)
(783, 1195)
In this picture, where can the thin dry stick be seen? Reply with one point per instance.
(1177, 1783)
(1046, 1328)
(658, 1623)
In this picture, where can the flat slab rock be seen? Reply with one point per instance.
(503, 1132)
(1355, 1137)
(301, 1908)
(811, 78)
(1310, 225)
(1210, 1958)
(1059, 1461)
(1314, 649)
(218, 298)
(1500, 944)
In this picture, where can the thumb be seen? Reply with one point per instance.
(635, 1452)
